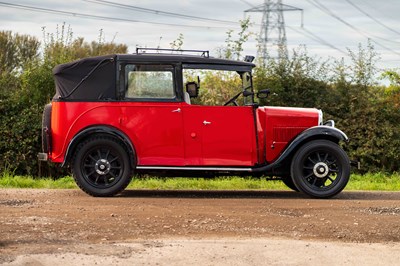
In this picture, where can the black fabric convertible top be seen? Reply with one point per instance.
(91, 78)
(94, 78)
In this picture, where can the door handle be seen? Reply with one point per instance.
(206, 123)
(177, 110)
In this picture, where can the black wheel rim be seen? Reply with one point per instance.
(102, 167)
(321, 170)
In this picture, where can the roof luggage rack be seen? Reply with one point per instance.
(202, 53)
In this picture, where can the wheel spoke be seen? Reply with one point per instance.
(309, 175)
(319, 157)
(326, 157)
(111, 173)
(314, 182)
(330, 163)
(311, 160)
(91, 157)
(113, 160)
(97, 179)
(91, 173)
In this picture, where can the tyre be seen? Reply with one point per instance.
(320, 169)
(46, 125)
(101, 166)
(287, 180)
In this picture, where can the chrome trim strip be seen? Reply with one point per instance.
(42, 156)
(193, 168)
(335, 129)
(320, 117)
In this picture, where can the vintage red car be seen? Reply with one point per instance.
(116, 116)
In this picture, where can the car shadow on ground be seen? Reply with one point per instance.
(347, 195)
(211, 194)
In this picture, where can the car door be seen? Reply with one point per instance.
(219, 135)
(152, 116)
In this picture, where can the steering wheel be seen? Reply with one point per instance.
(233, 100)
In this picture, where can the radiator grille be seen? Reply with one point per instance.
(285, 134)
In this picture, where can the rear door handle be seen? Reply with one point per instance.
(206, 123)
(177, 110)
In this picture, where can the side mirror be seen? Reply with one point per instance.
(192, 89)
(247, 93)
(262, 94)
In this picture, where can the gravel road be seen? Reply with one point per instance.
(65, 227)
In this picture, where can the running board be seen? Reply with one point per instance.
(190, 168)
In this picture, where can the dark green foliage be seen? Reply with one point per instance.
(369, 114)
(16, 50)
(26, 85)
(297, 82)
(20, 134)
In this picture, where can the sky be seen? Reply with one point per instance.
(330, 26)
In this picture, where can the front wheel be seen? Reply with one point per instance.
(287, 180)
(101, 166)
(320, 169)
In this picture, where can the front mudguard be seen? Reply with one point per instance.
(318, 132)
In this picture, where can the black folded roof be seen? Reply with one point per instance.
(94, 78)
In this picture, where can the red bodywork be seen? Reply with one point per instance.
(179, 134)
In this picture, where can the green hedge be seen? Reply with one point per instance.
(369, 114)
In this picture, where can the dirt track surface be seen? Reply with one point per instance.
(50, 227)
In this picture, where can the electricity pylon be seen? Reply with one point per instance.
(272, 42)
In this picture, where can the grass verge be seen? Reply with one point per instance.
(375, 181)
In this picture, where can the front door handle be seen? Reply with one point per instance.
(177, 110)
(206, 123)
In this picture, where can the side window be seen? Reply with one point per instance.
(149, 82)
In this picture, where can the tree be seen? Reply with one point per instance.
(16, 50)
(234, 47)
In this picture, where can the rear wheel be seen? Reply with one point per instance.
(101, 166)
(320, 169)
(46, 125)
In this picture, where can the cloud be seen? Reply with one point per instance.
(316, 21)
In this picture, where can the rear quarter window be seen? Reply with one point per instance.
(149, 82)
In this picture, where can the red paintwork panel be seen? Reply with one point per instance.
(156, 131)
(178, 134)
(282, 125)
(69, 118)
(153, 128)
(219, 135)
(162, 135)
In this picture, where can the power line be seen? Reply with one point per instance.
(307, 33)
(371, 17)
(95, 17)
(320, 6)
(158, 12)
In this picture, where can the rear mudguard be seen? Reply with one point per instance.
(101, 130)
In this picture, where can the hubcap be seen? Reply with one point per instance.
(321, 170)
(102, 167)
